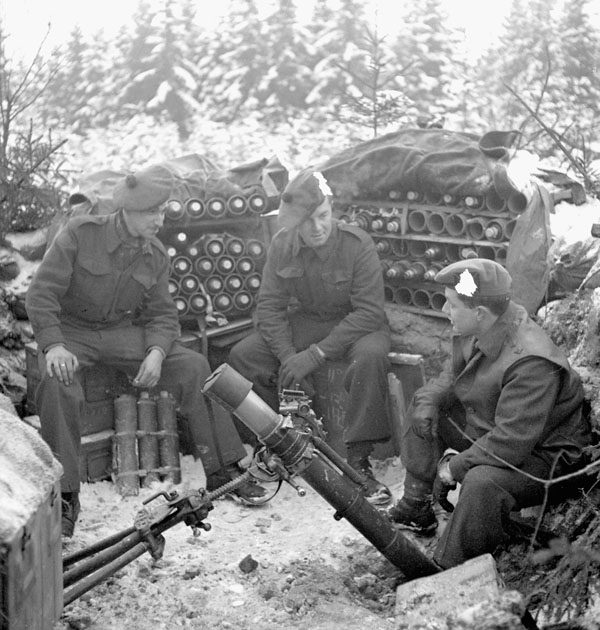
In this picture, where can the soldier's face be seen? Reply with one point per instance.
(145, 224)
(315, 230)
(464, 320)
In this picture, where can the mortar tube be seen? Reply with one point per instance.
(148, 439)
(476, 228)
(501, 255)
(298, 452)
(433, 198)
(437, 301)
(216, 207)
(421, 298)
(494, 202)
(401, 248)
(125, 454)
(417, 249)
(168, 446)
(403, 295)
(237, 204)
(486, 251)
(388, 292)
(455, 224)
(417, 220)
(452, 252)
(435, 223)
(194, 208)
(517, 203)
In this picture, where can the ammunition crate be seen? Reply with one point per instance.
(96, 456)
(31, 591)
(330, 399)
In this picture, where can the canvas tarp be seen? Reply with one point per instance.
(194, 175)
(436, 160)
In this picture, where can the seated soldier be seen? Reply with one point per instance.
(321, 298)
(100, 296)
(508, 410)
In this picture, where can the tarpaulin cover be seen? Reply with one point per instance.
(195, 176)
(527, 260)
(435, 160)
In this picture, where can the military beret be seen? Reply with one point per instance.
(143, 190)
(301, 197)
(476, 277)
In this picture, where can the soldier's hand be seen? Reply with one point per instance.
(296, 368)
(425, 422)
(61, 364)
(444, 480)
(149, 373)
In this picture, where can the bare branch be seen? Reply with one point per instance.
(556, 137)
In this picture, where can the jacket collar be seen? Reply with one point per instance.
(118, 235)
(492, 341)
(322, 252)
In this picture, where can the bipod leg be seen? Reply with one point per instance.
(88, 582)
(77, 556)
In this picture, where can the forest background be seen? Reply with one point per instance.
(269, 79)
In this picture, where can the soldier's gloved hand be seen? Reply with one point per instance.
(424, 421)
(444, 481)
(297, 367)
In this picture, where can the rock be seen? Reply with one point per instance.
(248, 564)
(431, 599)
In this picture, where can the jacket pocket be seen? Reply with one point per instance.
(337, 280)
(147, 280)
(290, 273)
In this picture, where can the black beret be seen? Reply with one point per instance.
(301, 197)
(143, 190)
(476, 277)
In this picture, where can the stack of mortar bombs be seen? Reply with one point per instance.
(417, 233)
(146, 442)
(216, 253)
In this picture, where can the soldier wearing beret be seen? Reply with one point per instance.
(322, 298)
(100, 296)
(507, 411)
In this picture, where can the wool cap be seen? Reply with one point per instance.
(476, 277)
(144, 189)
(301, 197)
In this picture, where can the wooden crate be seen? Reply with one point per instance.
(405, 377)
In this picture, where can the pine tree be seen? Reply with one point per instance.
(373, 98)
(427, 48)
(283, 88)
(163, 77)
(524, 60)
(235, 59)
(337, 34)
(578, 62)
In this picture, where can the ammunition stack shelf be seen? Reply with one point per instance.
(217, 247)
(416, 234)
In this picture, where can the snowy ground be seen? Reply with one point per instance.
(312, 571)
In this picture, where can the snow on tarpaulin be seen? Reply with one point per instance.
(28, 470)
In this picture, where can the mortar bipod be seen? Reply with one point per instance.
(84, 569)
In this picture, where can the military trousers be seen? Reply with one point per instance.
(365, 380)
(213, 434)
(488, 494)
